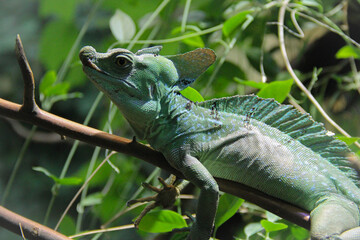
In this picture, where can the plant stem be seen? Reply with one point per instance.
(185, 15)
(64, 68)
(148, 22)
(176, 39)
(56, 187)
(219, 65)
(82, 188)
(294, 76)
(17, 164)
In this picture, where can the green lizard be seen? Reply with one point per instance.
(258, 142)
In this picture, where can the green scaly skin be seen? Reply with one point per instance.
(257, 142)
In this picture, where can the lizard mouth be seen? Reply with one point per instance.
(87, 62)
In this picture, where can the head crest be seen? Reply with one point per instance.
(192, 64)
(150, 50)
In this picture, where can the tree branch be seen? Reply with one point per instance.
(27, 228)
(31, 113)
(29, 104)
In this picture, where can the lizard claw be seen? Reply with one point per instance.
(165, 197)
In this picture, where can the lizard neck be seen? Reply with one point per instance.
(166, 127)
(140, 115)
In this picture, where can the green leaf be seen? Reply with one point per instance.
(228, 206)
(44, 171)
(62, 181)
(272, 217)
(348, 140)
(272, 227)
(191, 94)
(232, 23)
(161, 221)
(92, 199)
(179, 236)
(57, 89)
(67, 226)
(69, 181)
(348, 52)
(299, 233)
(252, 228)
(47, 81)
(257, 85)
(277, 90)
(194, 42)
(122, 26)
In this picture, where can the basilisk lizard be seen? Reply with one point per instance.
(258, 142)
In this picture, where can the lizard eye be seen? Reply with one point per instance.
(122, 62)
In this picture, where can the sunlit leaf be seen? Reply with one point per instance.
(92, 199)
(57, 89)
(47, 81)
(258, 85)
(348, 52)
(235, 21)
(161, 221)
(70, 181)
(348, 140)
(252, 228)
(272, 227)
(272, 217)
(191, 94)
(194, 42)
(122, 26)
(277, 90)
(299, 233)
(228, 206)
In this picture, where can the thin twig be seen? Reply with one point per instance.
(81, 189)
(343, 35)
(294, 76)
(22, 232)
(124, 227)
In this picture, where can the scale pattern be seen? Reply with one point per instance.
(300, 126)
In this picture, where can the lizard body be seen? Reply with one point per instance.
(257, 142)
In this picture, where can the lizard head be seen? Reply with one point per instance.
(145, 74)
(136, 82)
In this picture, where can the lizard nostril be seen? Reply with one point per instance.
(86, 54)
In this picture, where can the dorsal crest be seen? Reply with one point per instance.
(299, 126)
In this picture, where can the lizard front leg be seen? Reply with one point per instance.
(165, 196)
(197, 174)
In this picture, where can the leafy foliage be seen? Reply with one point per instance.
(244, 36)
(161, 221)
